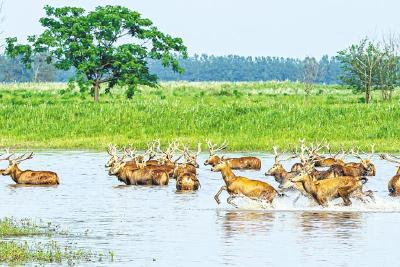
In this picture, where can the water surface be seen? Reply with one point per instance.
(156, 226)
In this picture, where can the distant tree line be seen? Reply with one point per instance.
(14, 70)
(240, 68)
(197, 68)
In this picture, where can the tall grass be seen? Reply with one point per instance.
(250, 116)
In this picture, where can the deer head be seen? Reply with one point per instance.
(14, 161)
(117, 167)
(213, 159)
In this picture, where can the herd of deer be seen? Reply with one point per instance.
(338, 179)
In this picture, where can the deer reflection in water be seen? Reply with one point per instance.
(247, 223)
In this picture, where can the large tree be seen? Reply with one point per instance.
(110, 45)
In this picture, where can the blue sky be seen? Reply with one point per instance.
(288, 28)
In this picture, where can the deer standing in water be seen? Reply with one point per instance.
(242, 163)
(237, 186)
(139, 175)
(28, 177)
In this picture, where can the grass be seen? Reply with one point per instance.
(250, 116)
(13, 251)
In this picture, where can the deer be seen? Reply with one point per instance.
(190, 162)
(323, 191)
(312, 154)
(28, 177)
(191, 157)
(394, 182)
(242, 163)
(237, 186)
(321, 161)
(138, 175)
(362, 168)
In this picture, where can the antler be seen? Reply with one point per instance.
(112, 149)
(23, 157)
(390, 158)
(276, 154)
(212, 148)
(356, 154)
(130, 152)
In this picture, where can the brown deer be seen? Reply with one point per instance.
(186, 175)
(29, 177)
(191, 157)
(139, 175)
(241, 186)
(326, 190)
(321, 161)
(187, 181)
(242, 163)
(363, 168)
(394, 182)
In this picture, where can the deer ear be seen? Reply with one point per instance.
(222, 158)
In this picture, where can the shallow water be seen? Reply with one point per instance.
(156, 226)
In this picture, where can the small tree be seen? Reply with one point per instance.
(360, 64)
(388, 71)
(310, 72)
(110, 45)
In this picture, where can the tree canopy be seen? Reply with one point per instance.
(370, 65)
(110, 45)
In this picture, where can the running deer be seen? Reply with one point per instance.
(237, 186)
(363, 168)
(29, 177)
(394, 182)
(242, 163)
(325, 190)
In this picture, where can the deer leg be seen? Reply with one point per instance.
(296, 199)
(370, 194)
(346, 199)
(230, 201)
(216, 197)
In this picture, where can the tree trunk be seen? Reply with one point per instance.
(96, 91)
(367, 94)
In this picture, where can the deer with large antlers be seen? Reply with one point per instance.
(394, 182)
(363, 168)
(237, 186)
(325, 190)
(242, 163)
(321, 161)
(186, 172)
(139, 175)
(28, 177)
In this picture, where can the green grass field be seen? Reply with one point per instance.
(250, 116)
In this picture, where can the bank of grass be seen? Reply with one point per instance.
(250, 116)
(14, 251)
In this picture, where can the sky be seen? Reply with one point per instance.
(284, 28)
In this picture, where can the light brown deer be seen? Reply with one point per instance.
(242, 163)
(140, 175)
(237, 186)
(394, 182)
(326, 190)
(186, 176)
(29, 177)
